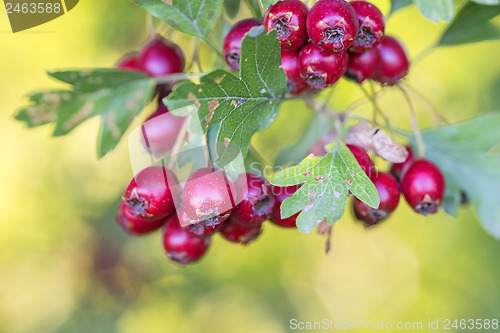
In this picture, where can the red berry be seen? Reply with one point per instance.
(232, 42)
(255, 199)
(398, 169)
(371, 26)
(129, 62)
(393, 64)
(290, 64)
(364, 160)
(149, 194)
(288, 17)
(280, 194)
(135, 225)
(208, 197)
(320, 68)
(332, 25)
(161, 57)
(362, 66)
(161, 129)
(239, 233)
(196, 229)
(388, 190)
(423, 186)
(180, 245)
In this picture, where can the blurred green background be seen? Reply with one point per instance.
(66, 267)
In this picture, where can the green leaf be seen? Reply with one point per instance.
(398, 4)
(436, 9)
(193, 17)
(326, 182)
(268, 3)
(254, 7)
(116, 96)
(472, 24)
(243, 105)
(460, 151)
(232, 7)
(488, 2)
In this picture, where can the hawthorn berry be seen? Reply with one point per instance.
(288, 17)
(362, 66)
(388, 190)
(194, 228)
(280, 194)
(232, 42)
(332, 25)
(135, 225)
(398, 169)
(207, 197)
(290, 65)
(423, 186)
(393, 64)
(129, 62)
(255, 199)
(364, 160)
(150, 193)
(371, 26)
(321, 68)
(181, 246)
(239, 233)
(161, 129)
(161, 57)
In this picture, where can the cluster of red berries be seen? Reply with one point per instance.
(210, 202)
(320, 45)
(420, 181)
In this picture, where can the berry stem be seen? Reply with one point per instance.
(372, 97)
(414, 122)
(425, 101)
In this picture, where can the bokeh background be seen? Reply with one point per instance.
(66, 267)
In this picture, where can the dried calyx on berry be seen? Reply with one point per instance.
(288, 17)
(371, 26)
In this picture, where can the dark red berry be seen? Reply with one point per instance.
(280, 194)
(290, 64)
(207, 197)
(149, 194)
(180, 245)
(332, 25)
(129, 62)
(161, 57)
(239, 233)
(135, 225)
(397, 169)
(388, 190)
(320, 68)
(232, 43)
(197, 229)
(362, 66)
(393, 64)
(371, 26)
(255, 200)
(161, 129)
(423, 186)
(288, 17)
(364, 160)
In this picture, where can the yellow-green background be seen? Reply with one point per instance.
(66, 267)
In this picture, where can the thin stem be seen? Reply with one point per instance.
(328, 98)
(414, 122)
(437, 116)
(373, 100)
(213, 47)
(178, 143)
(422, 54)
